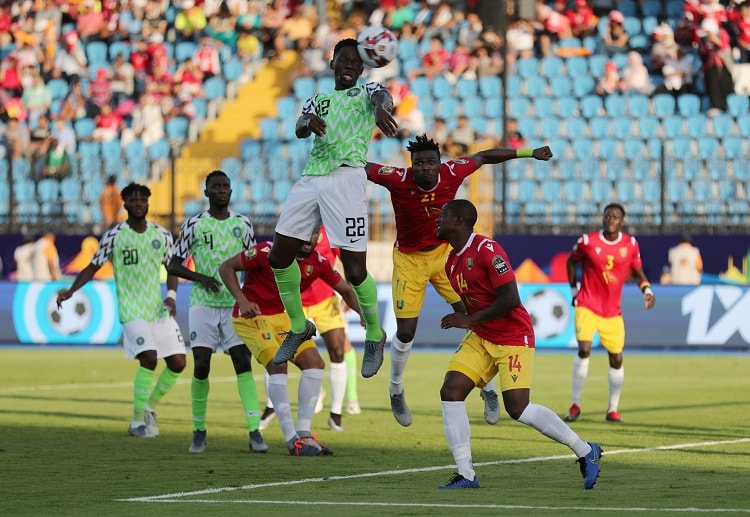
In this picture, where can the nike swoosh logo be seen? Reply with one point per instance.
(352, 241)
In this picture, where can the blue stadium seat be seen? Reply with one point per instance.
(288, 129)
(558, 146)
(625, 190)
(622, 127)
(407, 49)
(184, 50)
(648, 24)
(599, 127)
(688, 104)
(96, 52)
(232, 69)
(480, 124)
(681, 147)
(722, 125)
(607, 148)
(119, 47)
(641, 168)
(651, 190)
(663, 104)
(583, 85)
(639, 42)
(702, 189)
(281, 188)
(467, 88)
(570, 43)
(493, 107)
(84, 127)
(638, 105)
(527, 126)
(214, 88)
(655, 147)
(134, 150)
(528, 67)
(743, 122)
(575, 127)
(707, 146)
(583, 148)
(596, 64)
(552, 66)
(58, 88)
(513, 88)
(633, 148)
(673, 126)
(614, 105)
(535, 86)
(576, 66)
(549, 127)
(696, 125)
(177, 129)
(447, 108)
(591, 106)
(269, 128)
(287, 107)
(561, 85)
(519, 107)
(441, 88)
(232, 166)
(473, 107)
(718, 167)
(193, 207)
(738, 105)
(675, 9)
(426, 104)
(201, 108)
(566, 107)
(490, 86)
(732, 146)
(421, 86)
(304, 88)
(159, 150)
(652, 8)
(543, 106)
(601, 190)
(260, 187)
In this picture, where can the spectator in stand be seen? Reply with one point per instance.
(678, 74)
(122, 81)
(39, 142)
(515, 140)
(188, 79)
(56, 161)
(401, 14)
(408, 116)
(555, 25)
(99, 93)
(582, 19)
(470, 30)
(486, 63)
(6, 23)
(713, 45)
(440, 132)
(10, 75)
(65, 135)
(610, 82)
(616, 39)
(222, 27)
(71, 58)
(189, 22)
(298, 26)
(24, 258)
(461, 138)
(459, 65)
(108, 125)
(37, 99)
(685, 263)
(147, 120)
(274, 15)
(17, 138)
(664, 46)
(74, 106)
(442, 22)
(739, 29)
(90, 23)
(154, 18)
(110, 203)
(46, 260)
(635, 77)
(207, 58)
(520, 38)
(140, 58)
(434, 61)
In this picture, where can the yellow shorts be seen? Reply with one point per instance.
(611, 330)
(262, 335)
(327, 315)
(411, 272)
(480, 360)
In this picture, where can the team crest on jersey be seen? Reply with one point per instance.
(353, 92)
(385, 171)
(623, 252)
(139, 341)
(156, 243)
(308, 270)
(237, 232)
(469, 262)
(266, 336)
(250, 254)
(499, 264)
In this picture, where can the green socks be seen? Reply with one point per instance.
(288, 281)
(350, 358)
(164, 383)
(249, 397)
(199, 394)
(367, 294)
(142, 387)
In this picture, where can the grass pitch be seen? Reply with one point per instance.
(684, 446)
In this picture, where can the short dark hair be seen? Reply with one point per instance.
(347, 42)
(617, 206)
(464, 209)
(423, 143)
(134, 188)
(214, 174)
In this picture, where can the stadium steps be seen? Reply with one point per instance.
(238, 119)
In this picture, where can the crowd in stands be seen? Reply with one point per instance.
(129, 67)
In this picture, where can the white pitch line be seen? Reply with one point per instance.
(179, 496)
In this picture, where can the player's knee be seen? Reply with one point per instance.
(176, 363)
(403, 341)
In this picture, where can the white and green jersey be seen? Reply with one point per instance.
(137, 259)
(350, 121)
(212, 241)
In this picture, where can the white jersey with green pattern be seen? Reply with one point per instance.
(137, 259)
(350, 121)
(212, 241)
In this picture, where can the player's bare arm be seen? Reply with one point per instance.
(171, 301)
(177, 268)
(498, 155)
(507, 299)
(648, 295)
(83, 277)
(349, 297)
(309, 123)
(383, 107)
(228, 273)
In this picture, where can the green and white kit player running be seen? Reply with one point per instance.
(138, 249)
(331, 191)
(211, 237)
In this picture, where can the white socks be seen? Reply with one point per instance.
(338, 375)
(458, 434)
(580, 371)
(399, 357)
(616, 379)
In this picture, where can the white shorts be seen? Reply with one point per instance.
(211, 327)
(162, 335)
(338, 200)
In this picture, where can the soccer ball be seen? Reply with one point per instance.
(74, 317)
(377, 46)
(549, 311)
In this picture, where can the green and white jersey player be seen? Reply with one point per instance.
(332, 192)
(210, 238)
(138, 250)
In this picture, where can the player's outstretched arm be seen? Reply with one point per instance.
(383, 102)
(498, 155)
(81, 279)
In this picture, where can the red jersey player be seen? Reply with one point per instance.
(259, 319)
(499, 339)
(417, 194)
(608, 257)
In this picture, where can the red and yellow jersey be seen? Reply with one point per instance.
(319, 290)
(475, 273)
(260, 287)
(606, 266)
(417, 210)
